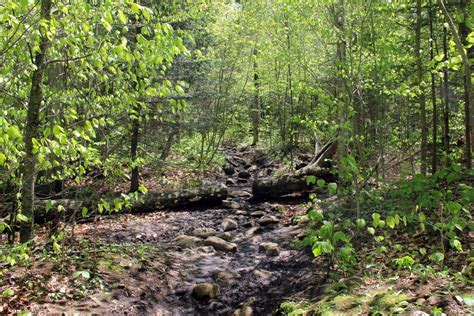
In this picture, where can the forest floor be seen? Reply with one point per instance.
(237, 259)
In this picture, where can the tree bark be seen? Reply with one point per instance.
(134, 180)
(269, 188)
(468, 112)
(256, 101)
(434, 156)
(29, 164)
(152, 201)
(445, 89)
(421, 97)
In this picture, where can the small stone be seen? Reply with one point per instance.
(230, 204)
(433, 300)
(244, 174)
(228, 170)
(244, 311)
(228, 275)
(241, 213)
(248, 224)
(229, 224)
(253, 168)
(252, 231)
(220, 244)
(185, 241)
(240, 193)
(258, 214)
(262, 274)
(204, 232)
(230, 181)
(421, 301)
(205, 291)
(268, 220)
(418, 313)
(270, 248)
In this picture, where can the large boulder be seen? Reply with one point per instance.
(220, 244)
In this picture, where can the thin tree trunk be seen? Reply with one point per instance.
(421, 97)
(134, 180)
(29, 165)
(434, 157)
(445, 88)
(256, 101)
(468, 112)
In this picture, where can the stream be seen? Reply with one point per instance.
(236, 259)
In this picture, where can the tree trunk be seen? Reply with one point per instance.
(256, 101)
(445, 89)
(270, 188)
(134, 180)
(468, 112)
(434, 156)
(152, 201)
(29, 164)
(419, 83)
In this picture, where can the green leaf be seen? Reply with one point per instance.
(85, 274)
(376, 219)
(340, 236)
(8, 293)
(2, 159)
(14, 132)
(310, 180)
(49, 205)
(320, 183)
(332, 188)
(456, 244)
(84, 212)
(371, 230)
(122, 17)
(360, 222)
(21, 218)
(57, 130)
(437, 257)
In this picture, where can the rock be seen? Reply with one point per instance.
(242, 180)
(185, 241)
(268, 220)
(230, 181)
(204, 232)
(270, 248)
(244, 311)
(258, 214)
(417, 313)
(253, 168)
(241, 213)
(228, 169)
(252, 231)
(421, 301)
(433, 300)
(262, 274)
(229, 224)
(248, 224)
(230, 204)
(244, 174)
(220, 244)
(228, 275)
(240, 193)
(205, 291)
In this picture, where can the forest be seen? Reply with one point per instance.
(236, 157)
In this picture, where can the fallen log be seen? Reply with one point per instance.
(151, 201)
(268, 188)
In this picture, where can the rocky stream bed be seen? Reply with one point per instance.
(235, 259)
